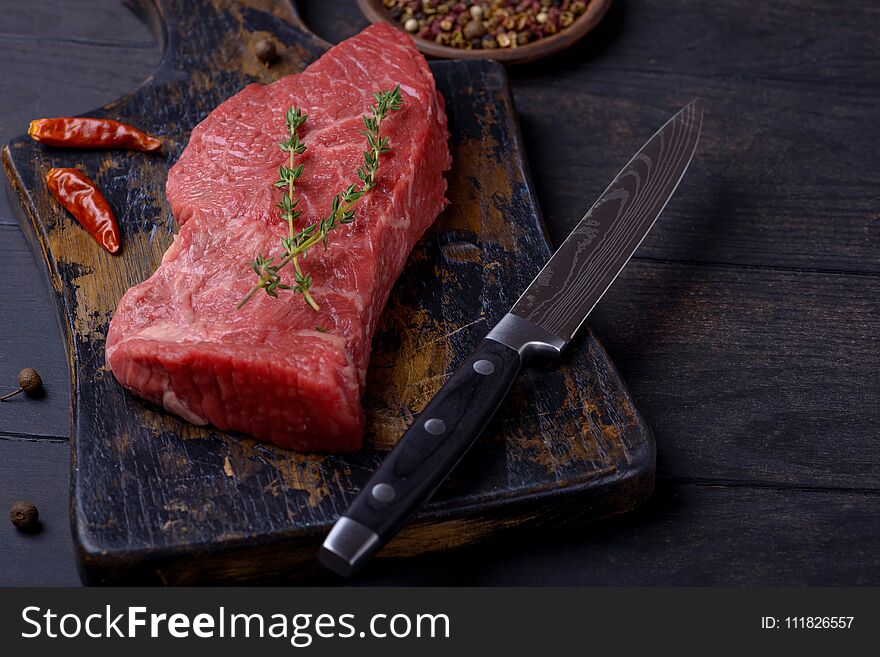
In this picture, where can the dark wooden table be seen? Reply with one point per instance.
(747, 326)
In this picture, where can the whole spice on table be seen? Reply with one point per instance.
(81, 132)
(485, 24)
(25, 516)
(29, 382)
(79, 196)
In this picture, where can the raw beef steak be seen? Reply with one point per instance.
(276, 369)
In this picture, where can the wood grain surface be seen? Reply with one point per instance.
(746, 327)
(157, 499)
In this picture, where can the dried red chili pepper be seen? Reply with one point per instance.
(80, 197)
(92, 133)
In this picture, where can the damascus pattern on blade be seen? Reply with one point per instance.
(579, 273)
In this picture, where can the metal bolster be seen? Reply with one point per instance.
(530, 341)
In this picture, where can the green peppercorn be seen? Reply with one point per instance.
(25, 516)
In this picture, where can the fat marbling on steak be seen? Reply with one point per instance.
(276, 369)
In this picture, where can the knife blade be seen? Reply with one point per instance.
(539, 327)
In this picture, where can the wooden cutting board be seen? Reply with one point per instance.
(155, 499)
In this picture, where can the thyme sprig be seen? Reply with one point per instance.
(378, 144)
(297, 244)
(264, 267)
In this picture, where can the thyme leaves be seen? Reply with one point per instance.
(298, 242)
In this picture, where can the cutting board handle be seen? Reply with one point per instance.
(219, 36)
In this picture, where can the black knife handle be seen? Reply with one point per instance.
(425, 455)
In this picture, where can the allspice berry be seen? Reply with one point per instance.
(29, 382)
(25, 516)
(474, 29)
(266, 51)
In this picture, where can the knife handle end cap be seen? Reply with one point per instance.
(348, 545)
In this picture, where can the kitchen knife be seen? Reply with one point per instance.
(537, 329)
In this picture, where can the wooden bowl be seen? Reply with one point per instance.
(375, 12)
